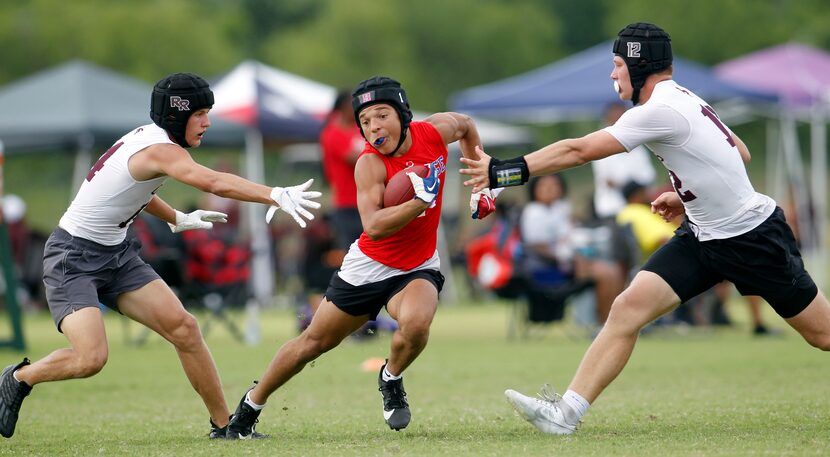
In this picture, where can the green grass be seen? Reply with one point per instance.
(705, 393)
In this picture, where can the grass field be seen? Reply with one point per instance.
(705, 393)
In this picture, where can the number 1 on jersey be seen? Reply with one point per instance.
(710, 113)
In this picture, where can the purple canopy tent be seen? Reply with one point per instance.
(800, 75)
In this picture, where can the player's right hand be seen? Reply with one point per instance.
(294, 200)
(426, 189)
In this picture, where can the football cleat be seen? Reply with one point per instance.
(395, 407)
(217, 432)
(243, 422)
(544, 412)
(12, 393)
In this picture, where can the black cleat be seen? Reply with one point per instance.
(12, 393)
(395, 407)
(243, 422)
(217, 432)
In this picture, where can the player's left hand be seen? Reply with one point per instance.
(668, 205)
(199, 219)
(478, 170)
(294, 200)
(483, 202)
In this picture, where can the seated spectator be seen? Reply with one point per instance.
(27, 253)
(550, 258)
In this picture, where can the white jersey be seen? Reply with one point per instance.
(703, 162)
(110, 198)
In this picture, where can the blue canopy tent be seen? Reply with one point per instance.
(578, 88)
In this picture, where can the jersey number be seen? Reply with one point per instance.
(100, 163)
(710, 113)
(685, 195)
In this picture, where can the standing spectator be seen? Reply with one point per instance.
(341, 144)
(613, 172)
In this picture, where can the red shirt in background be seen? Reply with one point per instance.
(337, 144)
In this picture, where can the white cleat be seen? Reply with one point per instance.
(544, 413)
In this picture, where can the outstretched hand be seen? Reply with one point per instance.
(668, 205)
(199, 219)
(294, 200)
(478, 170)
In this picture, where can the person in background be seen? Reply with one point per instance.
(613, 172)
(550, 255)
(341, 144)
(89, 259)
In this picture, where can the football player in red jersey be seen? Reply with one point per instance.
(394, 263)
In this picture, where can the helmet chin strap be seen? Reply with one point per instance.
(400, 142)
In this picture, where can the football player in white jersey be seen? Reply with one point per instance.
(89, 259)
(730, 232)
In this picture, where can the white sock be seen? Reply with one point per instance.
(251, 403)
(578, 404)
(387, 376)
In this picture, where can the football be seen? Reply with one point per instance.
(399, 188)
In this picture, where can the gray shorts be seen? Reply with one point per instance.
(79, 273)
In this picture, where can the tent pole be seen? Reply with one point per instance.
(262, 281)
(818, 134)
(83, 162)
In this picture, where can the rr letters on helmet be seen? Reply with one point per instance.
(182, 104)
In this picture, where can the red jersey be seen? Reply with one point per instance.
(337, 143)
(415, 243)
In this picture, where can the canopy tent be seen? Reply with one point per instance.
(278, 104)
(79, 104)
(800, 75)
(82, 107)
(578, 87)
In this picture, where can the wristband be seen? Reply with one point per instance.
(506, 173)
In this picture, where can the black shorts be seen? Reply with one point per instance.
(79, 273)
(764, 261)
(369, 299)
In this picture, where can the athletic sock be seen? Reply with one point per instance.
(251, 403)
(387, 376)
(577, 404)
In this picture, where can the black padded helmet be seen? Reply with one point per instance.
(646, 49)
(380, 89)
(174, 99)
